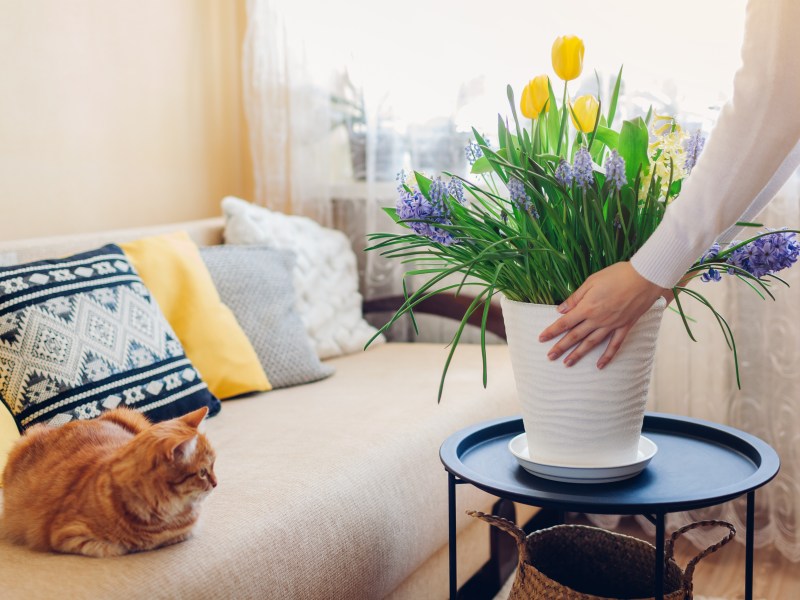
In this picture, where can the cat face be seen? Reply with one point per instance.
(172, 465)
(190, 470)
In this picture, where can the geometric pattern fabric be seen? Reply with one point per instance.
(82, 335)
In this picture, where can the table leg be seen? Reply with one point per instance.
(451, 502)
(659, 566)
(749, 543)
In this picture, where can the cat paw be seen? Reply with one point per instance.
(92, 547)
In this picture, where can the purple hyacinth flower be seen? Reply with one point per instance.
(768, 254)
(415, 207)
(711, 275)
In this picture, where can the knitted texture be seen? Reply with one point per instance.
(325, 274)
(255, 282)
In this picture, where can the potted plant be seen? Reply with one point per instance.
(562, 197)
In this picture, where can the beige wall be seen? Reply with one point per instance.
(119, 113)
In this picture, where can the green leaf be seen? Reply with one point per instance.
(612, 108)
(502, 132)
(553, 119)
(392, 212)
(675, 188)
(632, 146)
(423, 182)
(481, 166)
(607, 136)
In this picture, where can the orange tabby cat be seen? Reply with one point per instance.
(110, 486)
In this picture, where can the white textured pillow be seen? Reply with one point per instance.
(325, 274)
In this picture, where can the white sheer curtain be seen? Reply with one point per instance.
(288, 111)
(698, 380)
(420, 77)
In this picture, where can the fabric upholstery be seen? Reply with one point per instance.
(325, 274)
(332, 489)
(204, 232)
(255, 282)
(171, 267)
(82, 335)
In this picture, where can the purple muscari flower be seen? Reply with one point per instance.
(615, 170)
(519, 196)
(563, 173)
(456, 190)
(473, 152)
(693, 146)
(582, 168)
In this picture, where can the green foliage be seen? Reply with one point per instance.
(541, 248)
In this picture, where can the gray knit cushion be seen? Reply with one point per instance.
(255, 282)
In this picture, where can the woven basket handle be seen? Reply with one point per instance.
(689, 572)
(511, 528)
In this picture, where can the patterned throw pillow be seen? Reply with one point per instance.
(173, 270)
(255, 282)
(82, 335)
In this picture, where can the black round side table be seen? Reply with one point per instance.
(698, 464)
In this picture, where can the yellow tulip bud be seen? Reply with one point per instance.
(567, 57)
(535, 97)
(584, 113)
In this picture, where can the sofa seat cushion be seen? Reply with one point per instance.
(331, 489)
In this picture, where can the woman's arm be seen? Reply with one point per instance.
(753, 149)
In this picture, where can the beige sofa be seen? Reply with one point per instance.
(327, 490)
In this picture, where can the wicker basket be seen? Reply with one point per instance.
(576, 562)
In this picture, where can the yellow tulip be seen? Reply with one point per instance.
(567, 57)
(535, 97)
(584, 109)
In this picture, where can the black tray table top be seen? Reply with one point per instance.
(698, 464)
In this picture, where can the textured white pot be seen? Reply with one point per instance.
(580, 415)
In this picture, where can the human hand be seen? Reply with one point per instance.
(607, 304)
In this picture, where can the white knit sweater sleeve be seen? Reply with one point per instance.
(751, 152)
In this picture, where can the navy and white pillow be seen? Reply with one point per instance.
(82, 335)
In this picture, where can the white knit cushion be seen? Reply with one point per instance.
(325, 274)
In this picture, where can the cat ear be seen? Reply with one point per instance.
(183, 450)
(194, 418)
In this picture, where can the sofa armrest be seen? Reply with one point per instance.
(443, 305)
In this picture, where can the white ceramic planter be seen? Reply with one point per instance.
(580, 415)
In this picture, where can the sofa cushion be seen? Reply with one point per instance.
(82, 335)
(255, 282)
(325, 274)
(332, 489)
(171, 267)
